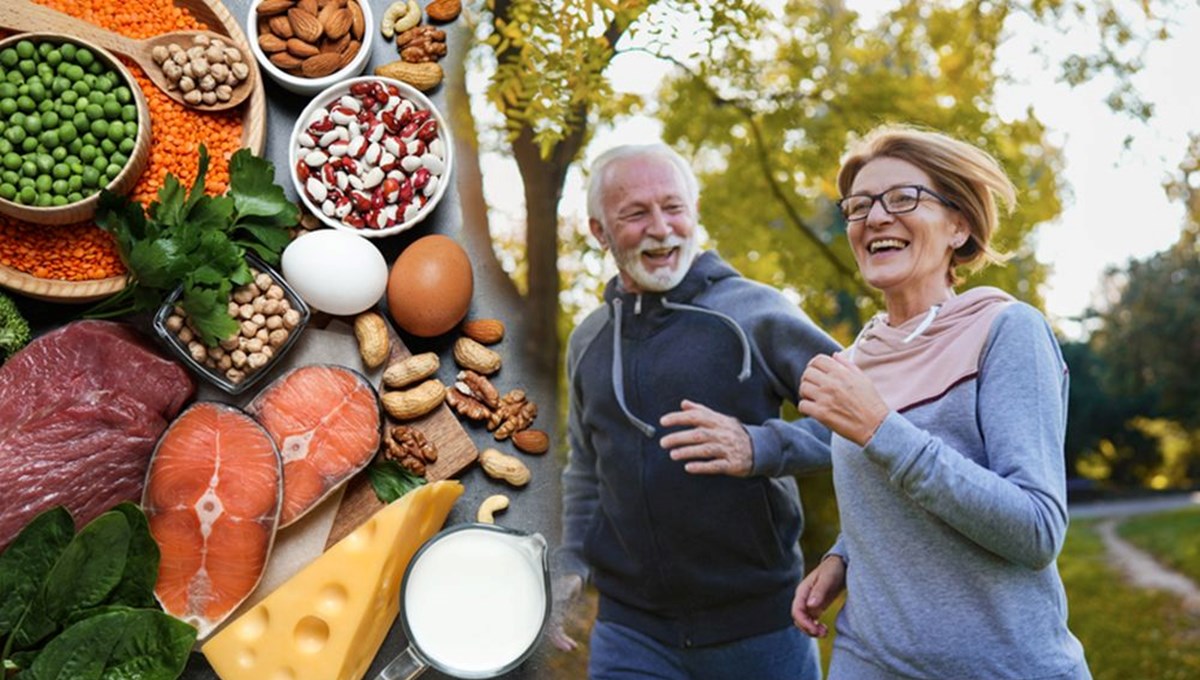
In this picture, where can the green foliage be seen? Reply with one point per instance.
(1165, 535)
(391, 481)
(198, 241)
(14, 329)
(81, 605)
(1127, 632)
(767, 134)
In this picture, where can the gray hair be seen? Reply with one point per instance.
(599, 175)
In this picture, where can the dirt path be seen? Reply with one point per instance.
(1144, 571)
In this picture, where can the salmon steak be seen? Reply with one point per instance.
(326, 422)
(212, 496)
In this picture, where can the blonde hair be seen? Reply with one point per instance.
(966, 175)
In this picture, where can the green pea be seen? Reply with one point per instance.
(81, 121)
(33, 124)
(15, 134)
(49, 139)
(90, 79)
(119, 158)
(27, 195)
(29, 144)
(44, 48)
(59, 85)
(17, 119)
(116, 132)
(104, 84)
(112, 171)
(108, 147)
(26, 103)
(5, 146)
(10, 177)
(27, 67)
(97, 97)
(74, 183)
(123, 94)
(99, 128)
(42, 183)
(58, 200)
(8, 106)
(66, 111)
(54, 57)
(69, 97)
(12, 161)
(87, 154)
(15, 77)
(60, 187)
(58, 152)
(29, 169)
(75, 73)
(100, 163)
(129, 113)
(8, 192)
(75, 145)
(37, 91)
(44, 200)
(75, 196)
(60, 171)
(67, 132)
(94, 111)
(96, 68)
(25, 49)
(131, 130)
(44, 164)
(50, 119)
(8, 90)
(84, 56)
(91, 176)
(112, 110)
(9, 57)
(126, 145)
(68, 51)
(45, 105)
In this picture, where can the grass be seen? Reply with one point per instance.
(1126, 632)
(1163, 535)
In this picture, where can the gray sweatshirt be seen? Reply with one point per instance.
(952, 517)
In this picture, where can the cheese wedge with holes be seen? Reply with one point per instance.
(328, 621)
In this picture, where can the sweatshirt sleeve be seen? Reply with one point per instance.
(784, 341)
(580, 485)
(1015, 507)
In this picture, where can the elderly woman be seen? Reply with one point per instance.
(948, 413)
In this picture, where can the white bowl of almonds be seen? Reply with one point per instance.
(270, 317)
(308, 45)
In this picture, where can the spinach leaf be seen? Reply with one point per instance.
(391, 481)
(24, 565)
(136, 587)
(136, 643)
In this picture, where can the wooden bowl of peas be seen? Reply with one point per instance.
(73, 121)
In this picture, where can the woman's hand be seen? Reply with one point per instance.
(816, 592)
(841, 397)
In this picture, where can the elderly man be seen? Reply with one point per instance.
(676, 503)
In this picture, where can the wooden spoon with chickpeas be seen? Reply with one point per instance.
(201, 69)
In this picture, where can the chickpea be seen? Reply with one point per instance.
(268, 351)
(263, 334)
(174, 323)
(277, 337)
(233, 307)
(271, 307)
(253, 345)
(197, 350)
(275, 292)
(249, 328)
(186, 335)
(235, 376)
(259, 304)
(238, 357)
(231, 343)
(224, 363)
(257, 361)
(274, 322)
(246, 311)
(291, 319)
(259, 320)
(264, 281)
(242, 295)
(255, 291)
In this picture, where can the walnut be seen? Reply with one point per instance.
(478, 386)
(421, 44)
(514, 414)
(467, 406)
(410, 448)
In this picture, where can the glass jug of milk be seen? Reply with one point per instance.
(475, 601)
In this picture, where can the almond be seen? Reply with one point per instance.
(268, 7)
(309, 6)
(336, 45)
(532, 441)
(285, 61)
(444, 10)
(320, 65)
(337, 24)
(269, 42)
(483, 331)
(298, 48)
(305, 25)
(358, 22)
(280, 26)
(347, 54)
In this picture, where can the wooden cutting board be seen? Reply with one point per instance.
(455, 452)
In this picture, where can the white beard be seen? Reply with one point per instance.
(660, 279)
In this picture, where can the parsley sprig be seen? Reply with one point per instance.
(197, 241)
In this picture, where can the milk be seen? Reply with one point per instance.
(475, 600)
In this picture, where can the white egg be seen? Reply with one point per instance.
(335, 271)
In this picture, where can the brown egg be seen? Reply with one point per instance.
(430, 286)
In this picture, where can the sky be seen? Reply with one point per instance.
(1114, 207)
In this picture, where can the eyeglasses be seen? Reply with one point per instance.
(896, 201)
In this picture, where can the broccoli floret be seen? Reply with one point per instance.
(14, 329)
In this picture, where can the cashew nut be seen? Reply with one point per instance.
(391, 15)
(411, 18)
(490, 506)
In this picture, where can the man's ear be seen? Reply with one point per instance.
(598, 232)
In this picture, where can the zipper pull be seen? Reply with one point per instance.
(637, 305)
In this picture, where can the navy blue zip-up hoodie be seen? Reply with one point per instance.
(688, 559)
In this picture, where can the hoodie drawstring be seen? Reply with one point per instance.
(618, 376)
(741, 334)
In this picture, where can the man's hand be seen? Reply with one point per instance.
(566, 592)
(716, 444)
(815, 593)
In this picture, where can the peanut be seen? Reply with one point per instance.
(372, 334)
(412, 369)
(415, 402)
(500, 466)
(472, 355)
